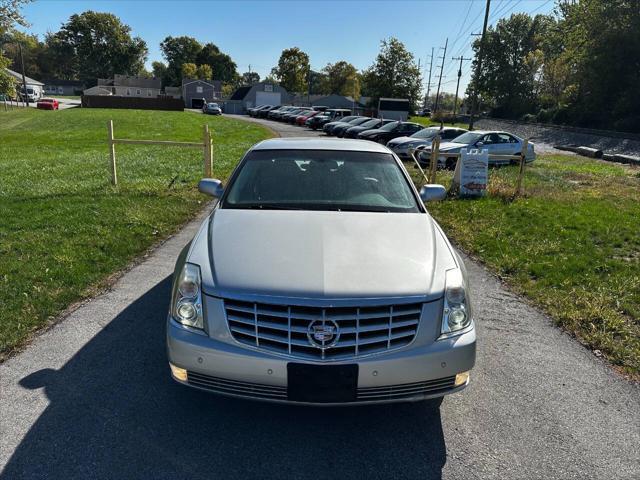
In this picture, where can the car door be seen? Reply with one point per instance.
(510, 144)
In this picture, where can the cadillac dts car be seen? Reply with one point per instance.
(320, 278)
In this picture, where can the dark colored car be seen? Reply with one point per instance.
(332, 115)
(254, 111)
(265, 111)
(338, 130)
(390, 131)
(212, 109)
(370, 124)
(327, 128)
(276, 113)
(291, 117)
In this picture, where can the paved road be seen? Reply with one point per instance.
(92, 398)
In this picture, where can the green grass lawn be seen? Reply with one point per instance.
(572, 245)
(64, 229)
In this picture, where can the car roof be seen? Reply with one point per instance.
(314, 143)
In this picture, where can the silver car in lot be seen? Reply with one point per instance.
(320, 278)
(495, 141)
(422, 138)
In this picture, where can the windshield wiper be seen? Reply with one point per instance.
(268, 206)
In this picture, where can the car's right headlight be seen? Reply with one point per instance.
(186, 303)
(456, 315)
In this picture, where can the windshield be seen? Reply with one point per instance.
(389, 126)
(213, 105)
(371, 123)
(359, 121)
(320, 180)
(467, 138)
(426, 133)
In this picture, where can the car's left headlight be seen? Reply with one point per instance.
(456, 315)
(186, 303)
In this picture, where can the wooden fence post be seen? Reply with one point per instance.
(433, 160)
(523, 161)
(112, 151)
(207, 153)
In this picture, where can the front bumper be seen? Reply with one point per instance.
(405, 375)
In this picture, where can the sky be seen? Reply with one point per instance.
(254, 33)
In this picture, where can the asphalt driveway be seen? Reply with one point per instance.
(92, 398)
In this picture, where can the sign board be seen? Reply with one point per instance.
(473, 172)
(268, 88)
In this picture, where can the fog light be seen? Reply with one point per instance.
(181, 374)
(462, 378)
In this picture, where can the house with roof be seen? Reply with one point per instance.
(131, 86)
(262, 93)
(196, 93)
(36, 87)
(54, 86)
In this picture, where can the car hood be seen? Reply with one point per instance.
(371, 132)
(450, 146)
(309, 254)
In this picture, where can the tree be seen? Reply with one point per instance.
(178, 51)
(223, 67)
(95, 45)
(189, 70)
(204, 72)
(510, 65)
(342, 78)
(250, 78)
(394, 74)
(33, 51)
(10, 15)
(159, 70)
(292, 70)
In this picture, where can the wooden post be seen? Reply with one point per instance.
(207, 152)
(433, 161)
(412, 152)
(112, 151)
(523, 161)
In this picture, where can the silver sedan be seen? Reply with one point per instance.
(320, 278)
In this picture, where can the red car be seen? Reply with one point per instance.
(300, 119)
(48, 104)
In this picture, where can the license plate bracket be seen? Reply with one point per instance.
(322, 383)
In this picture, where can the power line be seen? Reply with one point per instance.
(444, 55)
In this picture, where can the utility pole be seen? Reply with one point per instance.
(25, 95)
(426, 98)
(435, 109)
(455, 100)
(474, 99)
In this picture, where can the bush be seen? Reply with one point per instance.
(545, 115)
(629, 124)
(446, 117)
(529, 117)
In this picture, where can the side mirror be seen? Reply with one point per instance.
(479, 144)
(211, 186)
(432, 193)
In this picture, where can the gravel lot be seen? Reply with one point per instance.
(546, 137)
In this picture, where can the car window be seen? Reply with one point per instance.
(468, 138)
(390, 127)
(426, 133)
(506, 138)
(371, 123)
(320, 180)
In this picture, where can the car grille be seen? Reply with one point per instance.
(406, 390)
(233, 387)
(360, 330)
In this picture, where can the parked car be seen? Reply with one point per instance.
(265, 111)
(422, 138)
(369, 125)
(390, 131)
(31, 94)
(328, 116)
(327, 128)
(276, 114)
(291, 117)
(212, 109)
(496, 142)
(338, 130)
(300, 119)
(293, 290)
(254, 111)
(320, 108)
(48, 104)
(424, 112)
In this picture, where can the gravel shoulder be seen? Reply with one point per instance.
(92, 398)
